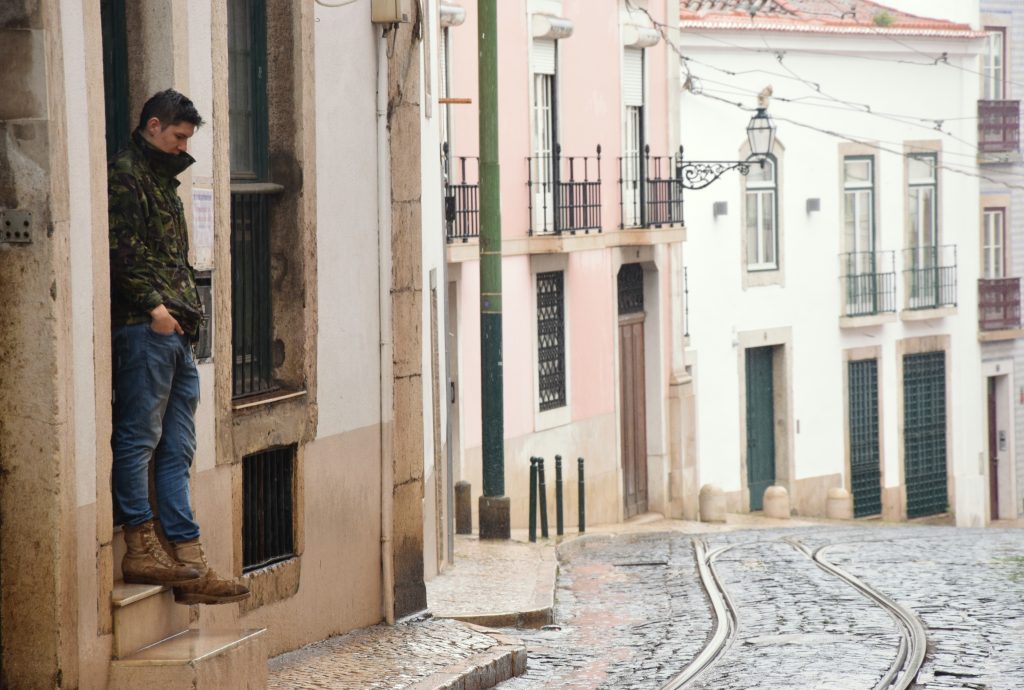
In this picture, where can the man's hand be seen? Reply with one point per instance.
(163, 323)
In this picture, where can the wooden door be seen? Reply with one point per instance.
(634, 413)
(993, 449)
(760, 424)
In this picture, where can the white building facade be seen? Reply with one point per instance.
(832, 292)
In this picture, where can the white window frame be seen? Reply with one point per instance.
(993, 263)
(760, 194)
(633, 159)
(993, 62)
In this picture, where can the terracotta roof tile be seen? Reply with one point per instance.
(825, 16)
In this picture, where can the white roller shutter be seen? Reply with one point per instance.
(543, 56)
(633, 76)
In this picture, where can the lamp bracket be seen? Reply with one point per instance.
(699, 174)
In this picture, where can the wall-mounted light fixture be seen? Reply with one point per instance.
(720, 208)
(760, 136)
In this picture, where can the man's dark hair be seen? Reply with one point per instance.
(170, 107)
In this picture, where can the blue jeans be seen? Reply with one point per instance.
(156, 392)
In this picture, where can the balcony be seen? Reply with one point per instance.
(998, 126)
(998, 304)
(868, 283)
(930, 274)
(565, 193)
(461, 195)
(650, 190)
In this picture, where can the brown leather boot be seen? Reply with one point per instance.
(146, 563)
(211, 588)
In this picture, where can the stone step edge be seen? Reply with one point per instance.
(124, 594)
(505, 660)
(144, 656)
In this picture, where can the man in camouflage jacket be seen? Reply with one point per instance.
(156, 314)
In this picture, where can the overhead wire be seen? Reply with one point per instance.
(693, 79)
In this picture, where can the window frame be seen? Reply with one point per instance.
(914, 218)
(759, 190)
(990, 249)
(257, 77)
(994, 76)
(563, 402)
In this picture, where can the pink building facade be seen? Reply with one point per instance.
(592, 232)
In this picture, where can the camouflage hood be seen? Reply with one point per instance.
(149, 237)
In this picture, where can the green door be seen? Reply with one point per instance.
(924, 433)
(865, 471)
(760, 424)
(115, 74)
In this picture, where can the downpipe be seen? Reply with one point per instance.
(387, 407)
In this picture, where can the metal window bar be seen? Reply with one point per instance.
(998, 304)
(656, 199)
(461, 195)
(865, 467)
(631, 289)
(551, 340)
(930, 276)
(869, 282)
(267, 507)
(251, 326)
(924, 433)
(576, 199)
(998, 126)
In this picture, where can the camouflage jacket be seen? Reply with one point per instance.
(149, 238)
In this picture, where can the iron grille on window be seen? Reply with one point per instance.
(924, 433)
(251, 328)
(931, 276)
(865, 468)
(998, 303)
(650, 190)
(204, 344)
(551, 340)
(267, 507)
(631, 289)
(998, 126)
(565, 193)
(869, 282)
(461, 195)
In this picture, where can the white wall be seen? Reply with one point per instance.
(347, 255)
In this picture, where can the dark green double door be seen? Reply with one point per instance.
(760, 423)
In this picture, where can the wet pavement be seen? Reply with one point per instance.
(630, 611)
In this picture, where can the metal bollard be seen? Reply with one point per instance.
(463, 508)
(583, 497)
(533, 499)
(542, 489)
(559, 522)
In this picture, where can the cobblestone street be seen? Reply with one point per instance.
(631, 611)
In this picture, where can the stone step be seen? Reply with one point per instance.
(144, 615)
(196, 660)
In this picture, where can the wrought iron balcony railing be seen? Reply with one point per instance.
(461, 195)
(869, 283)
(565, 193)
(930, 276)
(650, 190)
(998, 304)
(998, 126)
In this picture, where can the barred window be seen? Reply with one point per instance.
(551, 340)
(267, 507)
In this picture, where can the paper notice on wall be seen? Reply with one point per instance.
(202, 227)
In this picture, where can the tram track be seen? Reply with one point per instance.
(901, 673)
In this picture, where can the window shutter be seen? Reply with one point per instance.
(633, 76)
(543, 56)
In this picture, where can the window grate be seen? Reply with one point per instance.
(204, 343)
(631, 289)
(924, 433)
(551, 340)
(251, 328)
(865, 470)
(267, 507)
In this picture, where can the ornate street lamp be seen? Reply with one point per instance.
(760, 135)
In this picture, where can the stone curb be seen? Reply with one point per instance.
(505, 660)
